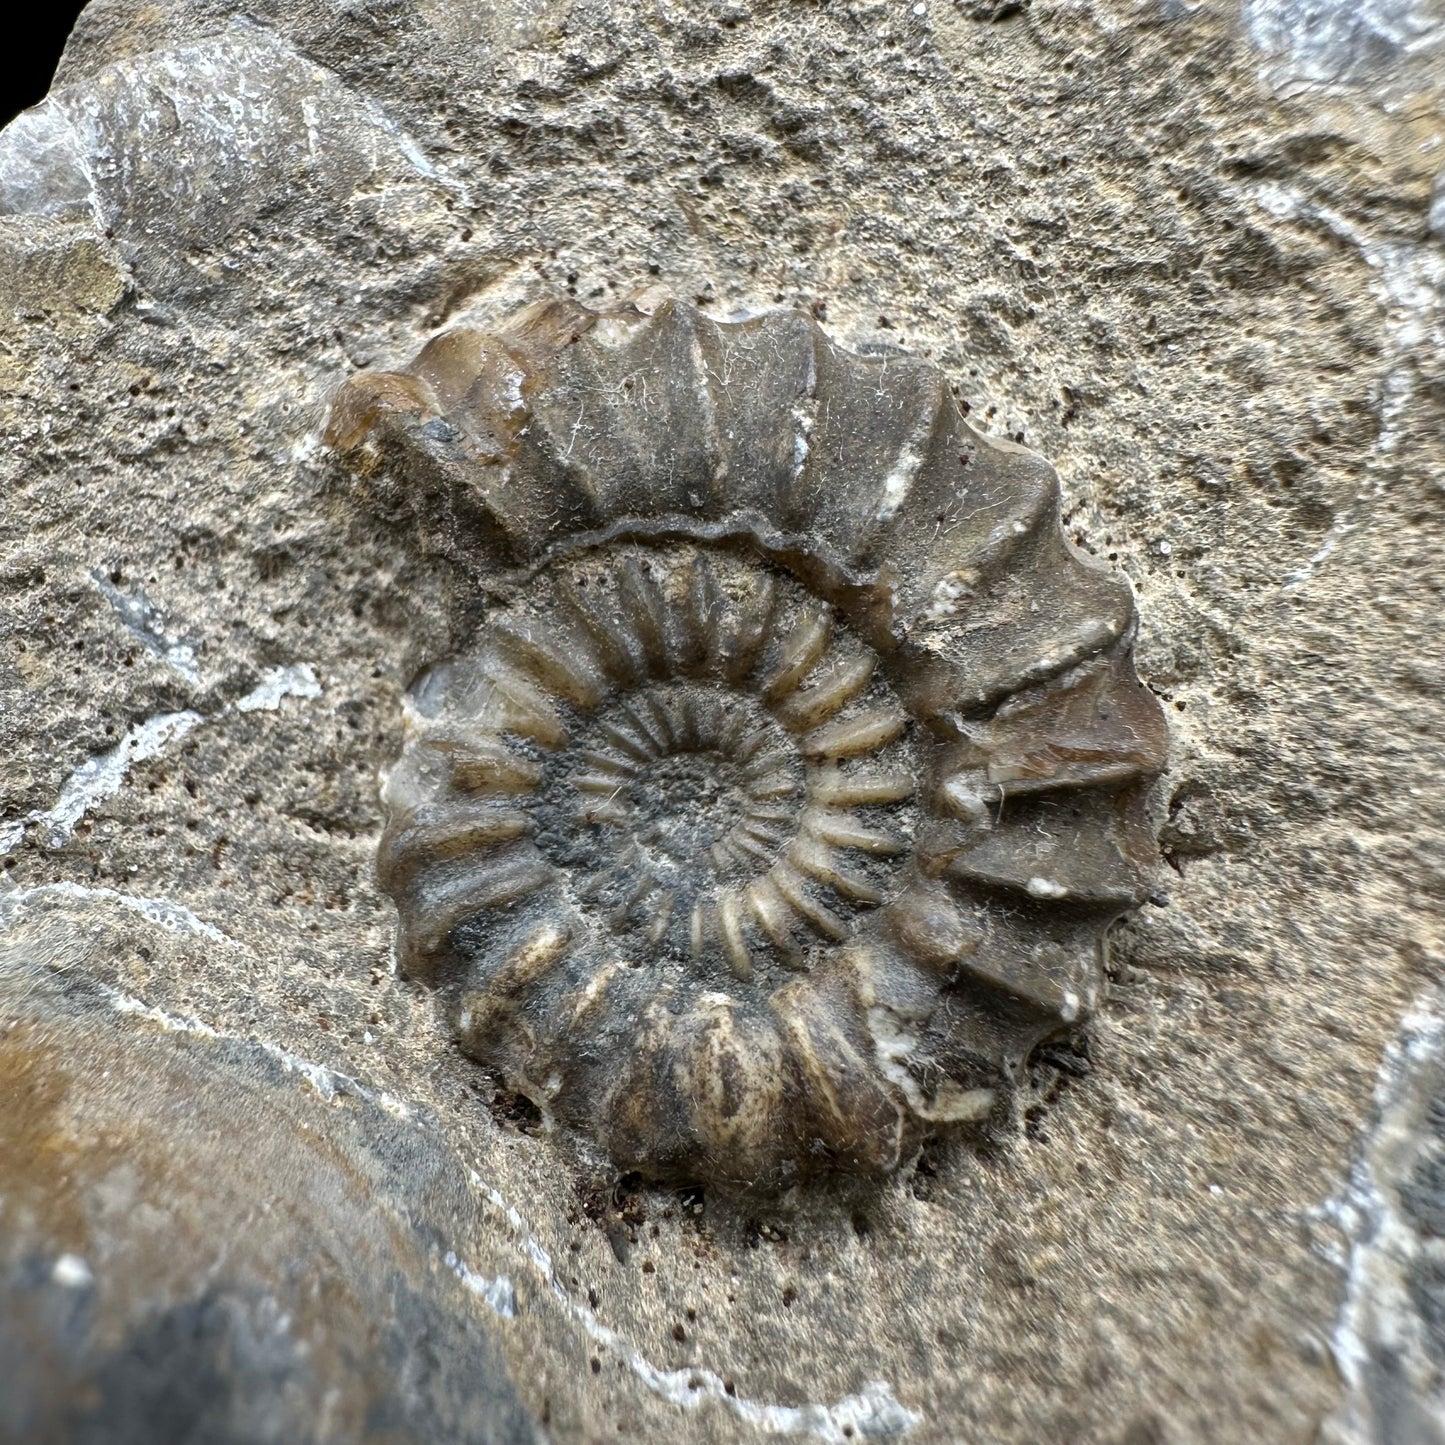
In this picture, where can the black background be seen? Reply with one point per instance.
(33, 42)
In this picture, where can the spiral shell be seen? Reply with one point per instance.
(779, 804)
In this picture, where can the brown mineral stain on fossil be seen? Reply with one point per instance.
(779, 804)
(36, 1138)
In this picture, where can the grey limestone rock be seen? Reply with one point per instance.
(204, 1242)
(1133, 243)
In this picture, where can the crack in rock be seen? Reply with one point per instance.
(1389, 1340)
(874, 1413)
(166, 912)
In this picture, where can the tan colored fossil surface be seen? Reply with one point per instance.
(1184, 256)
(775, 815)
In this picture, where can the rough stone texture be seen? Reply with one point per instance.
(1212, 298)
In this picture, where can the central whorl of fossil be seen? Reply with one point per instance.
(778, 805)
(693, 788)
(690, 751)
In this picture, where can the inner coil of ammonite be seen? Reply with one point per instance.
(777, 807)
(699, 767)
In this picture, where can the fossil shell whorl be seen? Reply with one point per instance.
(779, 804)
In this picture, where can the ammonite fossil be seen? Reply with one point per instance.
(777, 806)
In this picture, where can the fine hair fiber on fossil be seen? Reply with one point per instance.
(778, 806)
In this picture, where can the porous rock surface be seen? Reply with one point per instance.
(1197, 277)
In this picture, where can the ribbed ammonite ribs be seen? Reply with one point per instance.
(779, 805)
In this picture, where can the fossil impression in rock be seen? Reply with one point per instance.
(778, 805)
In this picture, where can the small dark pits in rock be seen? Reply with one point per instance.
(511, 1108)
